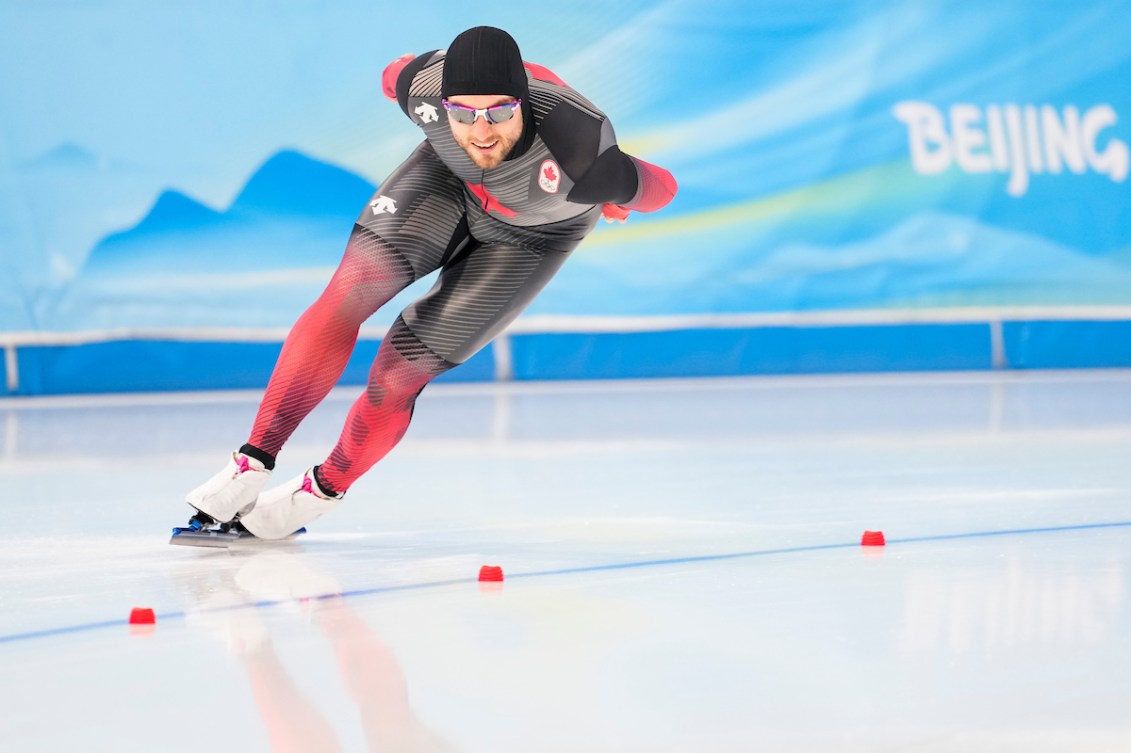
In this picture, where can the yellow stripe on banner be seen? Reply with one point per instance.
(830, 196)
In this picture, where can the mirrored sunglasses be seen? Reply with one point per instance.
(493, 115)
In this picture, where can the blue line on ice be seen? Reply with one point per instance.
(92, 626)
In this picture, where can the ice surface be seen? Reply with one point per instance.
(682, 561)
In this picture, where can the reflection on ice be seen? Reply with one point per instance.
(227, 602)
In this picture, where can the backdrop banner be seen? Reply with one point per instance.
(189, 172)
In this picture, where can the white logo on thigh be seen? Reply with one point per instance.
(384, 205)
(549, 176)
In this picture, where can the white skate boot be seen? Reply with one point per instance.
(285, 509)
(232, 491)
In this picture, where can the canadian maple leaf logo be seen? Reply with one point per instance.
(549, 176)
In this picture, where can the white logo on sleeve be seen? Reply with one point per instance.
(384, 205)
(549, 176)
(427, 113)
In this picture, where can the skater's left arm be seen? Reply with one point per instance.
(614, 175)
(602, 173)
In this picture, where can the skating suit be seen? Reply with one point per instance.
(497, 236)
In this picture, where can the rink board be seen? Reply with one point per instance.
(154, 364)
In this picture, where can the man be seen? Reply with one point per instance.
(513, 173)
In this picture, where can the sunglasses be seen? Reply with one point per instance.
(493, 115)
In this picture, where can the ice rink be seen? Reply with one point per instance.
(682, 560)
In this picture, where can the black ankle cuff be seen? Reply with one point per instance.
(326, 488)
(266, 458)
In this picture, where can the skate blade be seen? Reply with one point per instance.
(211, 537)
(204, 537)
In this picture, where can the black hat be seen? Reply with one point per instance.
(484, 60)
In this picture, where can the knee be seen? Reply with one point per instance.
(403, 367)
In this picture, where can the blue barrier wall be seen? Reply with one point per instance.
(146, 364)
(153, 364)
(765, 350)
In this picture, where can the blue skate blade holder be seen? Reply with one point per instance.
(215, 538)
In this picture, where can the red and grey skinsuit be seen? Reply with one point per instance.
(497, 236)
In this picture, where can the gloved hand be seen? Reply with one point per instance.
(614, 213)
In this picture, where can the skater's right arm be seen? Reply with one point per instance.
(398, 75)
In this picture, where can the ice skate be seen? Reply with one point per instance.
(283, 510)
(220, 501)
(232, 491)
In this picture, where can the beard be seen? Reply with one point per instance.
(502, 144)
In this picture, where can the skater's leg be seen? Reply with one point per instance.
(376, 422)
(380, 417)
(476, 297)
(319, 345)
(313, 358)
(479, 292)
(387, 251)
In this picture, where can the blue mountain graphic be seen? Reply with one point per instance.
(67, 156)
(294, 183)
(172, 210)
(294, 211)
